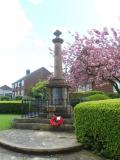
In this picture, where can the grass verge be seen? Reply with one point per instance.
(6, 121)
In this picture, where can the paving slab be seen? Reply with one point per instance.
(80, 155)
(33, 138)
(40, 142)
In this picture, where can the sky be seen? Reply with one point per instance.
(27, 26)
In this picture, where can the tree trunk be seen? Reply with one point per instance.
(115, 85)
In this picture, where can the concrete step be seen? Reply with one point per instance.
(43, 127)
(39, 142)
(39, 120)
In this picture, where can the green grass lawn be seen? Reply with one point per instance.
(6, 121)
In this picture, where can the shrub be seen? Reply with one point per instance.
(39, 90)
(11, 107)
(97, 97)
(18, 98)
(74, 102)
(90, 93)
(97, 125)
(10, 101)
(113, 95)
(3, 98)
(77, 97)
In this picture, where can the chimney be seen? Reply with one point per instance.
(27, 72)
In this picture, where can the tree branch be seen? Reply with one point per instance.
(117, 79)
(115, 85)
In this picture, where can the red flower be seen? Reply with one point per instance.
(56, 121)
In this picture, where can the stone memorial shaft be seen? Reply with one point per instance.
(57, 86)
(58, 72)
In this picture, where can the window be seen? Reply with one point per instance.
(19, 84)
(15, 85)
(22, 92)
(18, 93)
(87, 87)
(22, 83)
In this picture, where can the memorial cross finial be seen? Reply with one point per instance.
(57, 33)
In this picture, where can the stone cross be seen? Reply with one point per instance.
(57, 33)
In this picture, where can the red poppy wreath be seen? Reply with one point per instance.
(56, 121)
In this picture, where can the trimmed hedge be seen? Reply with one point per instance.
(97, 97)
(113, 95)
(75, 95)
(11, 107)
(5, 98)
(11, 102)
(74, 102)
(97, 125)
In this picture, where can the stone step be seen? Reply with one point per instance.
(39, 142)
(39, 120)
(43, 127)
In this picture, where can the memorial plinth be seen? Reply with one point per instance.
(57, 86)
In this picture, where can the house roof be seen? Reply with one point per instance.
(42, 72)
(5, 87)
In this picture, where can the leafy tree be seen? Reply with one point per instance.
(94, 58)
(39, 90)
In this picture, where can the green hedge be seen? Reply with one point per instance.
(17, 102)
(97, 97)
(97, 124)
(77, 97)
(74, 95)
(6, 98)
(113, 95)
(11, 107)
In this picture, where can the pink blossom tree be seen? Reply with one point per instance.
(94, 58)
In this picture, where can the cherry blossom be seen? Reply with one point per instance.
(94, 58)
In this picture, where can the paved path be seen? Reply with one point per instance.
(42, 140)
(82, 155)
(45, 142)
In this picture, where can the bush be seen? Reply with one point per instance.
(97, 125)
(3, 98)
(74, 102)
(97, 97)
(11, 107)
(39, 90)
(18, 98)
(90, 93)
(77, 97)
(113, 95)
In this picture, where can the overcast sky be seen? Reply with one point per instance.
(27, 26)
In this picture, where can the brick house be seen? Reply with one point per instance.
(22, 86)
(107, 88)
